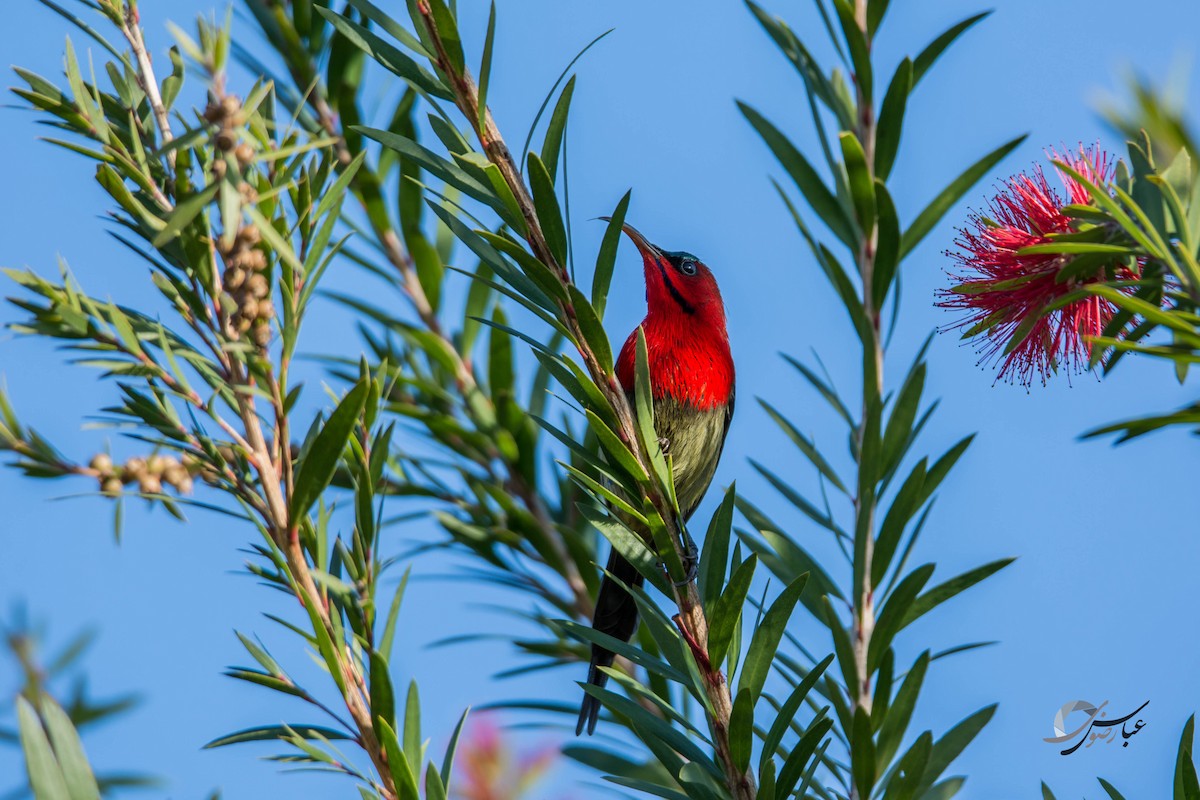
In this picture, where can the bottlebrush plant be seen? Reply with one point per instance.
(1112, 268)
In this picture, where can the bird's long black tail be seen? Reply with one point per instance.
(617, 615)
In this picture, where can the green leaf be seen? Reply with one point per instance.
(383, 703)
(805, 445)
(650, 725)
(45, 776)
(860, 55)
(545, 203)
(386, 55)
(887, 245)
(447, 33)
(1113, 794)
(1186, 786)
(727, 610)
(550, 94)
(646, 661)
(552, 144)
(944, 591)
(822, 201)
(841, 644)
(592, 329)
(500, 359)
(767, 636)
(185, 212)
(741, 730)
(891, 617)
(930, 54)
(412, 728)
(448, 760)
(790, 708)
(715, 555)
(267, 733)
(953, 742)
(320, 463)
(906, 779)
(485, 67)
(643, 392)
(876, 9)
(862, 752)
(891, 119)
(448, 171)
(76, 772)
(631, 546)
(933, 213)
(793, 766)
(606, 259)
(898, 515)
(434, 788)
(899, 430)
(862, 187)
(942, 467)
(402, 774)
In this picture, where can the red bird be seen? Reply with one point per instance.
(691, 378)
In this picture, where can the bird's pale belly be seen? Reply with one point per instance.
(694, 439)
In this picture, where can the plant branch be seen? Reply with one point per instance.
(465, 381)
(691, 618)
(132, 30)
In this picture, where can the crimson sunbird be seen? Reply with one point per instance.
(692, 383)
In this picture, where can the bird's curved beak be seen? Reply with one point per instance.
(648, 250)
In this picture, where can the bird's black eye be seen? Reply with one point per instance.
(688, 267)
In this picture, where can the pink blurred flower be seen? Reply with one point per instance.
(488, 767)
(1005, 293)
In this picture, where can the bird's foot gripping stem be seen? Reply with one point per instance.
(691, 557)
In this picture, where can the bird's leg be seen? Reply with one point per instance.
(691, 555)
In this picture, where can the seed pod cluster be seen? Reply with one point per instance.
(226, 114)
(246, 282)
(150, 474)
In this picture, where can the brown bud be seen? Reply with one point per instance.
(250, 235)
(156, 465)
(134, 468)
(175, 473)
(249, 193)
(150, 484)
(257, 286)
(245, 155)
(262, 333)
(266, 310)
(225, 140)
(184, 485)
(255, 260)
(243, 324)
(111, 486)
(102, 463)
(234, 279)
(249, 308)
(230, 105)
(218, 168)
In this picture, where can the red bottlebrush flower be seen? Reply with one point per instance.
(1005, 293)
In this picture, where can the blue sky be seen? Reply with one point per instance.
(1098, 605)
